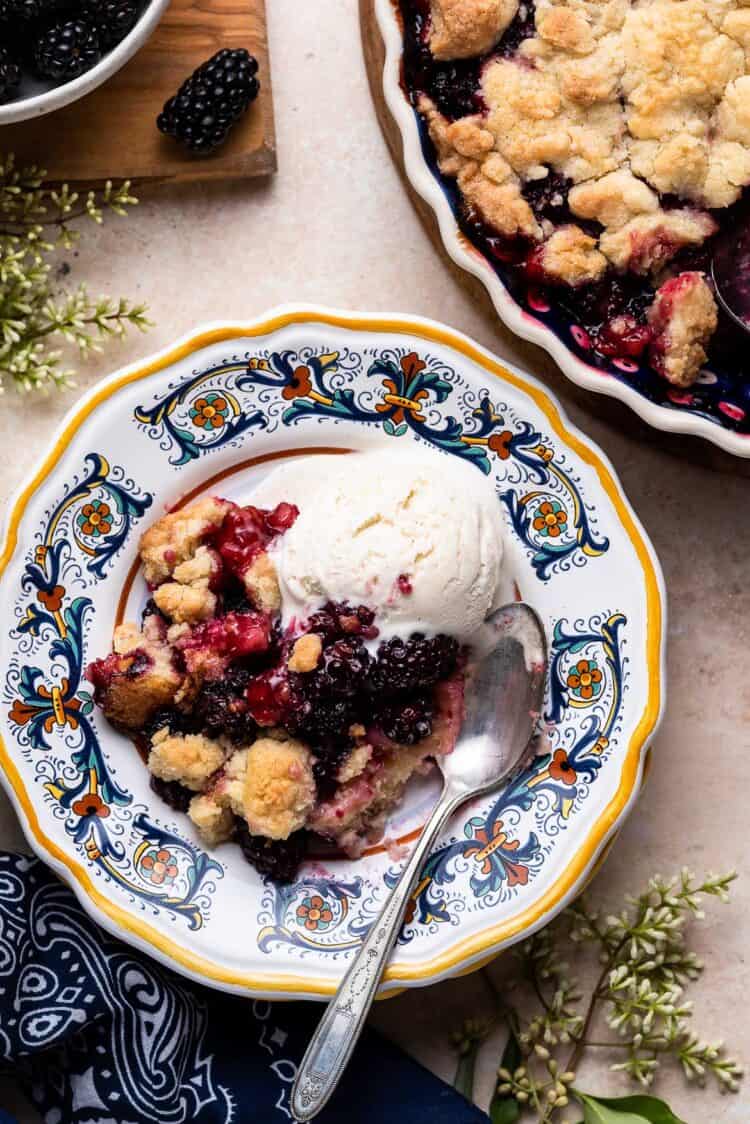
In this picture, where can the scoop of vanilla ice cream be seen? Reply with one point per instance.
(416, 536)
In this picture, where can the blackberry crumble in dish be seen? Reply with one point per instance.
(596, 147)
(301, 657)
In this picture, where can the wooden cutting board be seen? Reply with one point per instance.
(533, 358)
(112, 134)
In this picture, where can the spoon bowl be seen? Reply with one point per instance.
(730, 270)
(503, 697)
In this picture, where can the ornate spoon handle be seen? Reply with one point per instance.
(334, 1040)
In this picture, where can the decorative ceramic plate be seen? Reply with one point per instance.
(716, 407)
(295, 384)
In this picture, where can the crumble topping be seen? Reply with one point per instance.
(683, 317)
(571, 256)
(462, 28)
(188, 758)
(262, 734)
(175, 537)
(214, 822)
(305, 653)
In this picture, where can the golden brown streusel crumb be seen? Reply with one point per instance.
(571, 256)
(262, 584)
(305, 653)
(214, 822)
(279, 789)
(130, 700)
(684, 318)
(462, 28)
(175, 537)
(188, 758)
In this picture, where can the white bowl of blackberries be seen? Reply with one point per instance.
(52, 52)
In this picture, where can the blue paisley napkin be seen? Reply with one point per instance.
(97, 1033)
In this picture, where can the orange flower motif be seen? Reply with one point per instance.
(95, 518)
(585, 680)
(550, 519)
(91, 805)
(314, 913)
(210, 412)
(300, 386)
(404, 405)
(53, 599)
(159, 866)
(561, 769)
(499, 443)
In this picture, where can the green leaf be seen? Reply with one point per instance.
(626, 1110)
(504, 1108)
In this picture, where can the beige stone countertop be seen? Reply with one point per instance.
(335, 227)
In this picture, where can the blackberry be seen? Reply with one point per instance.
(151, 609)
(411, 665)
(456, 88)
(10, 75)
(113, 19)
(326, 764)
(11, 11)
(522, 26)
(234, 598)
(176, 721)
(67, 49)
(342, 671)
(321, 722)
(172, 793)
(211, 100)
(407, 721)
(548, 197)
(338, 620)
(221, 707)
(273, 858)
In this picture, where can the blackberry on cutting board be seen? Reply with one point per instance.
(67, 49)
(211, 101)
(10, 75)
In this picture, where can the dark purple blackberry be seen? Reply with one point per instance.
(10, 75)
(113, 19)
(337, 620)
(151, 609)
(234, 597)
(221, 707)
(176, 721)
(342, 671)
(405, 666)
(172, 793)
(455, 88)
(326, 764)
(407, 721)
(321, 722)
(522, 26)
(11, 11)
(548, 197)
(211, 100)
(67, 49)
(278, 859)
(612, 296)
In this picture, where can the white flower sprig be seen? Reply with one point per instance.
(643, 966)
(36, 220)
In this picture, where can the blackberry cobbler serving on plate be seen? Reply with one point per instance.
(594, 148)
(301, 657)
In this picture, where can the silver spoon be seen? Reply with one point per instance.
(730, 269)
(503, 700)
